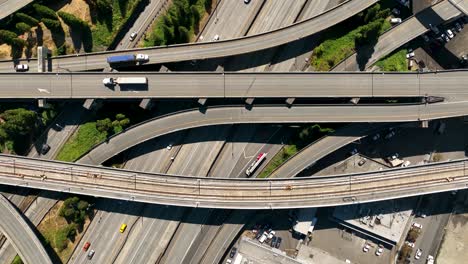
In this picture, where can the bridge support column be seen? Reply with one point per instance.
(42, 58)
(89, 103)
(202, 101)
(41, 103)
(146, 103)
(355, 100)
(249, 101)
(290, 101)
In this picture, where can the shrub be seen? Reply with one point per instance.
(53, 25)
(22, 27)
(7, 36)
(27, 19)
(74, 210)
(45, 12)
(71, 20)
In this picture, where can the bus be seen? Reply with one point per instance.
(260, 158)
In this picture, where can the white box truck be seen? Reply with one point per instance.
(125, 80)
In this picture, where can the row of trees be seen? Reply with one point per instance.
(179, 23)
(112, 127)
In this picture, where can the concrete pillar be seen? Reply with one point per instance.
(42, 59)
(202, 101)
(146, 103)
(249, 101)
(290, 101)
(88, 104)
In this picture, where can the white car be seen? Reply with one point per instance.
(395, 20)
(450, 33)
(366, 248)
(216, 38)
(271, 234)
(22, 67)
(133, 36)
(246, 1)
(169, 147)
(142, 57)
(417, 225)
(410, 55)
(406, 164)
(410, 244)
(418, 254)
(379, 251)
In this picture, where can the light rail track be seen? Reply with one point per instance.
(233, 193)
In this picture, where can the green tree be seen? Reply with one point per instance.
(7, 36)
(103, 125)
(22, 27)
(71, 20)
(27, 19)
(18, 122)
(53, 25)
(45, 12)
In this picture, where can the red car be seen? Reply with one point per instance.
(86, 246)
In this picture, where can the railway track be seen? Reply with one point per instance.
(233, 193)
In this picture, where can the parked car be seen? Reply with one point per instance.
(216, 38)
(434, 29)
(458, 26)
(376, 137)
(169, 147)
(425, 38)
(278, 242)
(271, 234)
(406, 164)
(366, 248)
(233, 252)
(353, 152)
(362, 161)
(418, 254)
(246, 2)
(133, 36)
(417, 225)
(444, 37)
(395, 20)
(410, 55)
(391, 133)
(410, 244)
(44, 149)
(22, 67)
(450, 33)
(273, 241)
(379, 251)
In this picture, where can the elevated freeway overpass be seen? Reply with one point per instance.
(207, 50)
(235, 85)
(233, 193)
(8, 7)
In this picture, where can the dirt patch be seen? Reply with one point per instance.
(5, 51)
(78, 8)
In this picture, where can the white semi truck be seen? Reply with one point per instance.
(125, 80)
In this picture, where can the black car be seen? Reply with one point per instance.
(278, 242)
(45, 148)
(233, 252)
(273, 241)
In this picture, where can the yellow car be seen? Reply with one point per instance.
(123, 227)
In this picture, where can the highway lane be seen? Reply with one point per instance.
(142, 23)
(20, 234)
(234, 193)
(230, 19)
(410, 29)
(236, 85)
(8, 7)
(269, 114)
(185, 52)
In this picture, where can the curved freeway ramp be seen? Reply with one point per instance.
(268, 114)
(8, 7)
(199, 51)
(233, 193)
(410, 29)
(324, 146)
(20, 235)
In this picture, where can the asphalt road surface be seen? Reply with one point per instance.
(8, 7)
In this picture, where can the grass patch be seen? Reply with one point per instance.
(179, 23)
(364, 30)
(300, 139)
(83, 140)
(17, 260)
(394, 62)
(107, 27)
(59, 234)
